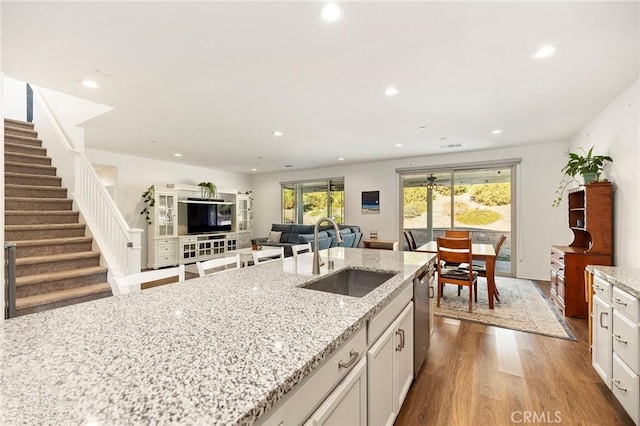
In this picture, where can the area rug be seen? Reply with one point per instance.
(522, 307)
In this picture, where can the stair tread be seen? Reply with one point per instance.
(44, 226)
(23, 137)
(19, 122)
(25, 155)
(43, 187)
(21, 145)
(57, 276)
(61, 295)
(31, 175)
(41, 213)
(37, 166)
(9, 127)
(51, 241)
(36, 199)
(56, 257)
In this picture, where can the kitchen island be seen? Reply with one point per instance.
(222, 349)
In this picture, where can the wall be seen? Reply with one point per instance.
(615, 131)
(14, 99)
(539, 224)
(136, 174)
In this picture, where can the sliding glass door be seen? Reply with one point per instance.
(476, 199)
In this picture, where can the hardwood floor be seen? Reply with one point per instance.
(483, 375)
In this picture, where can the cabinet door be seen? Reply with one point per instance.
(403, 364)
(165, 219)
(601, 353)
(347, 404)
(380, 376)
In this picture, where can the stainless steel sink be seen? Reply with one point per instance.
(350, 282)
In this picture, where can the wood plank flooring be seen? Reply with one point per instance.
(482, 375)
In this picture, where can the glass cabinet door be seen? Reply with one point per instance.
(243, 215)
(166, 214)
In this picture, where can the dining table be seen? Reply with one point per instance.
(484, 252)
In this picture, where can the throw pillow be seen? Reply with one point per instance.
(274, 237)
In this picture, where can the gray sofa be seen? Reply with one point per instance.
(299, 234)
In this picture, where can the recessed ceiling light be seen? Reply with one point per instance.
(398, 145)
(423, 127)
(287, 166)
(391, 91)
(496, 132)
(545, 52)
(177, 154)
(276, 133)
(153, 141)
(340, 158)
(254, 169)
(89, 83)
(331, 12)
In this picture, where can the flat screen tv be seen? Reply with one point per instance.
(207, 218)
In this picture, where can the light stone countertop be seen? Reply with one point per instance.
(627, 279)
(222, 349)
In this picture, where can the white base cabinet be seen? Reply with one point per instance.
(347, 405)
(616, 340)
(390, 368)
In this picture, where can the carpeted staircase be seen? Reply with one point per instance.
(55, 263)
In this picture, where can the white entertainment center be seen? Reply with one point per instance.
(170, 243)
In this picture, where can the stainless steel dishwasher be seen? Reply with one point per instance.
(422, 313)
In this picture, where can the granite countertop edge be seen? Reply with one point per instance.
(627, 279)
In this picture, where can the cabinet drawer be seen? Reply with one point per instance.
(626, 387)
(166, 242)
(626, 303)
(379, 323)
(602, 289)
(626, 334)
(166, 249)
(168, 259)
(557, 258)
(305, 397)
(188, 240)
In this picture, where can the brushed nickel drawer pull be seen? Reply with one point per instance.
(619, 338)
(597, 287)
(601, 324)
(432, 292)
(400, 332)
(354, 357)
(616, 383)
(619, 301)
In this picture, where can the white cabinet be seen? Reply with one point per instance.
(243, 213)
(163, 229)
(347, 404)
(616, 339)
(390, 368)
(601, 355)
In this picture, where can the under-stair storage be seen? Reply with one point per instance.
(55, 262)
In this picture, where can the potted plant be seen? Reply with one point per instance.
(588, 165)
(208, 190)
(149, 201)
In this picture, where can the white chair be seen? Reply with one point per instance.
(222, 264)
(268, 255)
(131, 283)
(301, 248)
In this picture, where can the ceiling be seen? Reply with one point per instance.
(213, 80)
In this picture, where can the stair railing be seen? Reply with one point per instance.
(119, 244)
(9, 280)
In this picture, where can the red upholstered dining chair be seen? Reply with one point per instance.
(456, 251)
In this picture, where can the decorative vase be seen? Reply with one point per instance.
(590, 177)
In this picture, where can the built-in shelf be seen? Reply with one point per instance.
(204, 202)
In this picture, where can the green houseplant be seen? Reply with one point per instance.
(589, 166)
(208, 190)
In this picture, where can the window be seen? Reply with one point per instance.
(477, 198)
(304, 202)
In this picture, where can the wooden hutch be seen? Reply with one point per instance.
(591, 220)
